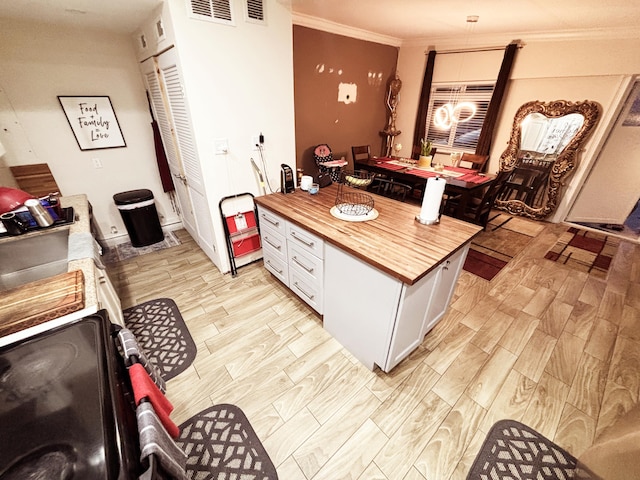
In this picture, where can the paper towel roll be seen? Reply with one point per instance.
(432, 199)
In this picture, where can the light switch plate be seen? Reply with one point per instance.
(221, 146)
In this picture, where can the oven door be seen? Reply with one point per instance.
(65, 407)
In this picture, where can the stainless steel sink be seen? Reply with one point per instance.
(35, 256)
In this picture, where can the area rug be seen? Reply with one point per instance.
(514, 451)
(125, 251)
(504, 237)
(161, 332)
(221, 444)
(585, 251)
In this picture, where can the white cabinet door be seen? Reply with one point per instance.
(449, 272)
(163, 81)
(413, 312)
(158, 101)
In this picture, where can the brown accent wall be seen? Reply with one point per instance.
(321, 62)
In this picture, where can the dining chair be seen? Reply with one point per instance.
(390, 188)
(477, 162)
(477, 209)
(361, 152)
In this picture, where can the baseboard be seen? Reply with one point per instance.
(114, 240)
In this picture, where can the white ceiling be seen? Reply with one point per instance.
(436, 19)
(399, 19)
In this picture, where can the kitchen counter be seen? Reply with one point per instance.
(81, 256)
(394, 242)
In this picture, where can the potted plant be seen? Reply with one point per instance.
(425, 153)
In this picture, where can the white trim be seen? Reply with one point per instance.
(450, 42)
(340, 29)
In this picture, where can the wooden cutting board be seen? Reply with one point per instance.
(40, 301)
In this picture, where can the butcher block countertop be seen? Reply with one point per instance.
(394, 242)
(48, 300)
(41, 301)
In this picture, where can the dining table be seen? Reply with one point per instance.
(462, 183)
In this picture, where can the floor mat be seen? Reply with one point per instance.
(513, 451)
(504, 238)
(585, 251)
(125, 251)
(221, 444)
(160, 330)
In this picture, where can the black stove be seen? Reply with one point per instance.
(66, 411)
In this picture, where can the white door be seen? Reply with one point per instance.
(172, 112)
(152, 83)
(612, 189)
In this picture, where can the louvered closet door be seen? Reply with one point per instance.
(183, 134)
(154, 88)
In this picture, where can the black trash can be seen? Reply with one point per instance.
(138, 211)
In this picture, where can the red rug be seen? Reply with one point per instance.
(483, 265)
(585, 251)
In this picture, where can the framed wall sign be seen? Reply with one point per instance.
(93, 122)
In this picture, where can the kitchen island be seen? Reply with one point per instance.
(381, 284)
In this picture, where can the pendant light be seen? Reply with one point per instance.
(456, 112)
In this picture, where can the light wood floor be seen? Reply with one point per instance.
(542, 344)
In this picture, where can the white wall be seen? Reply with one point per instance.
(615, 175)
(575, 70)
(239, 83)
(40, 62)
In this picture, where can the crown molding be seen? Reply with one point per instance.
(455, 42)
(345, 30)
(526, 37)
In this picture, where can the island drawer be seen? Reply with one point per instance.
(308, 241)
(274, 240)
(309, 266)
(276, 265)
(268, 219)
(307, 291)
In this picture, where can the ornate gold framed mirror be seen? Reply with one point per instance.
(543, 149)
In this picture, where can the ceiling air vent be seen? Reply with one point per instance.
(255, 11)
(218, 11)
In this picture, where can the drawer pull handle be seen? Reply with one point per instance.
(277, 247)
(274, 267)
(308, 269)
(308, 244)
(275, 223)
(300, 288)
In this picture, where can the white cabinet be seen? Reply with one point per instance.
(294, 256)
(448, 273)
(375, 316)
(107, 296)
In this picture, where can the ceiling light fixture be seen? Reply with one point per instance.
(456, 112)
(448, 114)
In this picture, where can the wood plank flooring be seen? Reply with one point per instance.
(553, 348)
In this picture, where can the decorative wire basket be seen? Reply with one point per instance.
(350, 200)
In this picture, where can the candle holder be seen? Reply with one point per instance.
(427, 222)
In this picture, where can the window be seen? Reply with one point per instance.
(462, 133)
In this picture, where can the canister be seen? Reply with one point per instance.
(40, 214)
